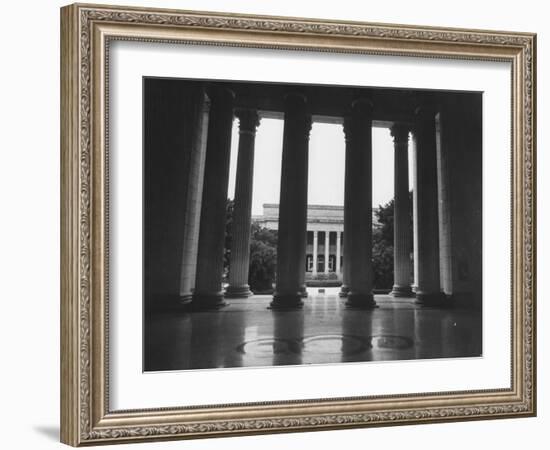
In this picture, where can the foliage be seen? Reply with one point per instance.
(229, 206)
(382, 244)
(382, 247)
(263, 259)
(263, 253)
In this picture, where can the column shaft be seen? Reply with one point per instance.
(291, 243)
(444, 191)
(358, 205)
(315, 244)
(401, 215)
(208, 292)
(415, 216)
(428, 290)
(344, 290)
(193, 199)
(338, 253)
(327, 250)
(240, 249)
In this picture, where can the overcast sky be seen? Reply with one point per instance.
(326, 164)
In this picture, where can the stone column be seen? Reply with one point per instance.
(193, 200)
(445, 233)
(208, 292)
(428, 290)
(415, 215)
(344, 290)
(291, 243)
(358, 205)
(327, 250)
(315, 244)
(401, 214)
(240, 249)
(338, 253)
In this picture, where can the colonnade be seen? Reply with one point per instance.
(292, 229)
(326, 252)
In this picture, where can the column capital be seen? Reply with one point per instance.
(249, 120)
(297, 109)
(360, 113)
(295, 97)
(424, 117)
(425, 110)
(220, 93)
(400, 133)
(362, 106)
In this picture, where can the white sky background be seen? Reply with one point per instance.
(326, 164)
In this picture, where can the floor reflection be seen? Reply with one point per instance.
(246, 333)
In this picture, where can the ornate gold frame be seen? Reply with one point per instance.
(85, 34)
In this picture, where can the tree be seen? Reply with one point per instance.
(263, 259)
(263, 253)
(229, 206)
(382, 244)
(382, 247)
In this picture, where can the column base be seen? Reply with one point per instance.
(185, 301)
(282, 301)
(238, 291)
(207, 301)
(360, 301)
(401, 291)
(433, 299)
(344, 291)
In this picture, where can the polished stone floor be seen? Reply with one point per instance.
(247, 333)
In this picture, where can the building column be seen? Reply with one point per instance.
(327, 250)
(445, 232)
(344, 289)
(338, 253)
(428, 290)
(208, 292)
(415, 216)
(193, 199)
(240, 249)
(291, 242)
(401, 214)
(315, 244)
(358, 205)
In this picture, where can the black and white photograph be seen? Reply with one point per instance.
(295, 224)
(275, 225)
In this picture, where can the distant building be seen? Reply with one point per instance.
(325, 233)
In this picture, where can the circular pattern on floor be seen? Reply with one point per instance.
(391, 342)
(268, 347)
(330, 344)
(334, 344)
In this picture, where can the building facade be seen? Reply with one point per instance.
(324, 242)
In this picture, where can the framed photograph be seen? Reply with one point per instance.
(274, 224)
